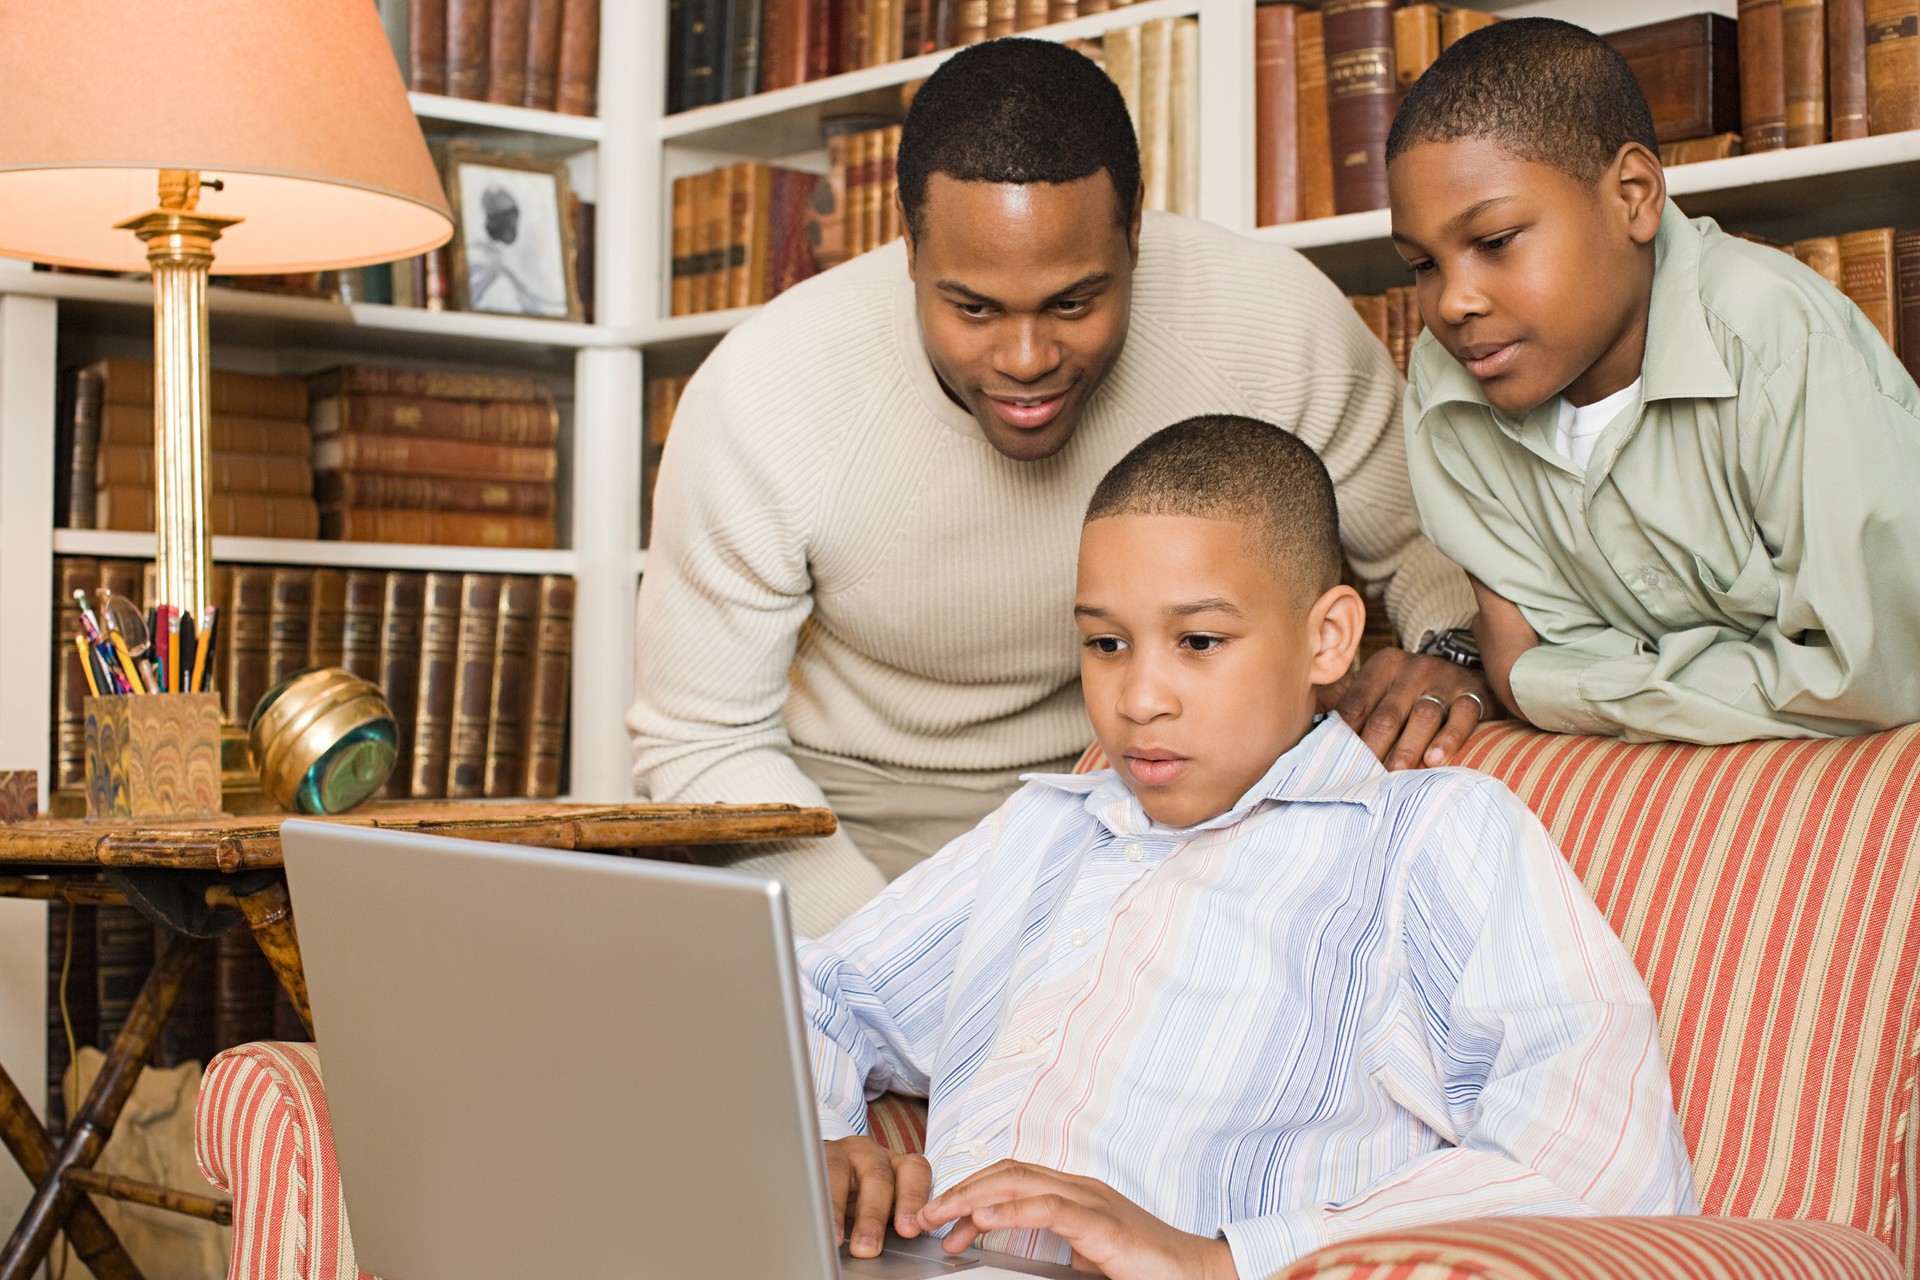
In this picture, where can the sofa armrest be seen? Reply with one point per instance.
(262, 1134)
(1525, 1248)
(898, 1123)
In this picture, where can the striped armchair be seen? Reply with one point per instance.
(1770, 893)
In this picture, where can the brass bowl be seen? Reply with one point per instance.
(323, 741)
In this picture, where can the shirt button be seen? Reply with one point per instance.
(1650, 576)
(1029, 1045)
(1135, 853)
(978, 1150)
(1078, 938)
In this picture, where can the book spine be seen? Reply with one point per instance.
(1458, 23)
(1906, 261)
(1867, 276)
(446, 457)
(467, 48)
(826, 38)
(507, 701)
(1156, 112)
(1763, 92)
(434, 493)
(1694, 150)
(1361, 97)
(227, 472)
(914, 31)
(473, 684)
(1316, 142)
(507, 41)
(220, 594)
(438, 528)
(71, 573)
(439, 651)
(783, 54)
(130, 508)
(745, 28)
(1372, 310)
(427, 46)
(1183, 192)
(1803, 37)
(548, 688)
(526, 423)
(543, 54)
(1001, 16)
(1847, 68)
(289, 620)
(742, 181)
(248, 623)
(399, 641)
(429, 384)
(360, 628)
(85, 409)
(1821, 254)
(241, 394)
(327, 623)
(132, 424)
(579, 58)
(969, 21)
(681, 291)
(1396, 330)
(1416, 43)
(890, 184)
(679, 56)
(704, 48)
(1029, 15)
(1893, 65)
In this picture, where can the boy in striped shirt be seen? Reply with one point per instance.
(1247, 993)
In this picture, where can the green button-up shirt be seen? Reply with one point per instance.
(1741, 558)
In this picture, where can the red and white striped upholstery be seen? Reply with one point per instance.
(1770, 892)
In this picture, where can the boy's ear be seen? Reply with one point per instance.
(1640, 184)
(1334, 625)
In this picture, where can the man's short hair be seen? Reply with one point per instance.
(1017, 111)
(1224, 467)
(1543, 90)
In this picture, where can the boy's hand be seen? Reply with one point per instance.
(1110, 1235)
(1504, 634)
(879, 1183)
(1411, 708)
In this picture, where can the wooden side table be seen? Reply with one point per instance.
(233, 864)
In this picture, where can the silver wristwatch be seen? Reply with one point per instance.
(1457, 646)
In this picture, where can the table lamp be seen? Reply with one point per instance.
(135, 134)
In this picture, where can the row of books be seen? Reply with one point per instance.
(1394, 318)
(543, 54)
(357, 453)
(475, 666)
(740, 236)
(1157, 66)
(719, 50)
(662, 398)
(1811, 71)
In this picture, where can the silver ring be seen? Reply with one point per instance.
(1480, 708)
(1434, 699)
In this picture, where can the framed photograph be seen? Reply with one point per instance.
(513, 245)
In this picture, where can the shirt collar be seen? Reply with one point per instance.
(1331, 765)
(1682, 361)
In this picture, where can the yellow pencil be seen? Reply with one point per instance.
(200, 654)
(126, 661)
(86, 662)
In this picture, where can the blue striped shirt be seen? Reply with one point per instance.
(1355, 1001)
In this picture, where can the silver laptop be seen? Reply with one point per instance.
(549, 1063)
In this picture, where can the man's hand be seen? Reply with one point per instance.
(878, 1183)
(1504, 634)
(1411, 708)
(1110, 1235)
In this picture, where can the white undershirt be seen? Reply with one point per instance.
(1581, 425)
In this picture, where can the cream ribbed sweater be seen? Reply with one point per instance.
(840, 560)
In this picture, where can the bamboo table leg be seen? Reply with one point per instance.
(269, 914)
(54, 1198)
(92, 1238)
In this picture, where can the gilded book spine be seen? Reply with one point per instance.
(1362, 93)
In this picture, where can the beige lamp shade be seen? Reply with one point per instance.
(294, 106)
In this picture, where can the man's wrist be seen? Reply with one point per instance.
(1457, 646)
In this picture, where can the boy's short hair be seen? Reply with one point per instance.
(1225, 467)
(1544, 90)
(1017, 111)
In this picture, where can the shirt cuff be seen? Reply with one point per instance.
(1262, 1246)
(1546, 683)
(834, 1126)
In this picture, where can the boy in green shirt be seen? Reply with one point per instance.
(1683, 469)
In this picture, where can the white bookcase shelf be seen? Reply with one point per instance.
(113, 544)
(439, 109)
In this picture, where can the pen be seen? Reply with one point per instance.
(87, 620)
(187, 644)
(86, 662)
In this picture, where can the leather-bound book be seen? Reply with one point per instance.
(438, 528)
(289, 619)
(1361, 96)
(1689, 69)
(715, 212)
(286, 474)
(749, 191)
(421, 453)
(243, 986)
(827, 37)
(1372, 310)
(1156, 112)
(507, 39)
(1868, 276)
(360, 624)
(679, 55)
(1183, 98)
(970, 21)
(1893, 65)
(220, 591)
(84, 414)
(515, 422)
(783, 44)
(434, 493)
(246, 515)
(1029, 15)
(1693, 150)
(580, 58)
(914, 15)
(467, 22)
(681, 290)
(123, 954)
(1803, 36)
(543, 54)
(1316, 142)
(427, 46)
(703, 45)
(943, 24)
(1063, 10)
(1001, 17)
(1847, 69)
(1763, 88)
(508, 699)
(327, 623)
(70, 574)
(790, 255)
(1456, 23)
(248, 621)
(433, 384)
(433, 720)
(1276, 114)
(132, 424)
(547, 703)
(873, 190)
(473, 684)
(889, 183)
(397, 663)
(1822, 254)
(1416, 42)
(1906, 265)
(256, 395)
(743, 33)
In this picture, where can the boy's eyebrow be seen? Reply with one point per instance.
(1090, 611)
(1212, 604)
(1473, 211)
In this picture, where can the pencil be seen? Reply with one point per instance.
(126, 660)
(173, 649)
(200, 653)
(86, 662)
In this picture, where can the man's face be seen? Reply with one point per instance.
(1198, 663)
(1533, 280)
(1023, 293)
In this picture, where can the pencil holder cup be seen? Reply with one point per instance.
(323, 741)
(153, 756)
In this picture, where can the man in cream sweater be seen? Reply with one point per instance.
(859, 589)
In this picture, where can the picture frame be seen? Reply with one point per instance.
(514, 250)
